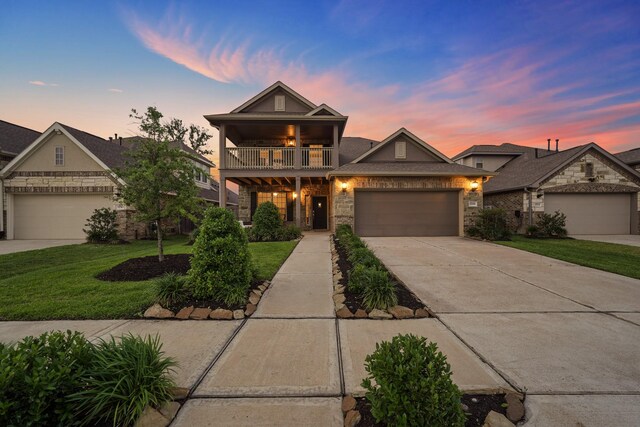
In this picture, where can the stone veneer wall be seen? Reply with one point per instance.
(343, 203)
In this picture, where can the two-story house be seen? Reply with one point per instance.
(280, 147)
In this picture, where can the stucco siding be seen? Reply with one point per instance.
(43, 159)
(414, 153)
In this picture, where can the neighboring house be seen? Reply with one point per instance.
(631, 157)
(56, 183)
(595, 189)
(13, 140)
(292, 152)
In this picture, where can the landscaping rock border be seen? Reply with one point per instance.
(163, 416)
(343, 312)
(156, 311)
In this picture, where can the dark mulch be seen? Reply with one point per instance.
(354, 301)
(478, 410)
(211, 303)
(144, 268)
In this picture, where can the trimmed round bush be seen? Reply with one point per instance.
(267, 222)
(409, 384)
(221, 263)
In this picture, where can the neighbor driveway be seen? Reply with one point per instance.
(620, 239)
(567, 335)
(12, 246)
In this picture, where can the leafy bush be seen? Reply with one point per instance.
(552, 225)
(37, 375)
(102, 226)
(288, 232)
(170, 288)
(125, 377)
(221, 263)
(266, 222)
(413, 385)
(379, 291)
(491, 224)
(363, 256)
(358, 278)
(533, 231)
(193, 236)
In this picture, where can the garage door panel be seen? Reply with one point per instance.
(592, 213)
(54, 216)
(407, 213)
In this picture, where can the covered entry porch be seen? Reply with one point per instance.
(302, 200)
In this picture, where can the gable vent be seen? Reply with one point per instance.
(401, 149)
(279, 103)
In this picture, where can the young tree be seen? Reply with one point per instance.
(195, 136)
(159, 178)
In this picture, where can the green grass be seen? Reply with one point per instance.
(619, 259)
(60, 283)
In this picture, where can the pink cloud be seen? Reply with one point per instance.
(503, 97)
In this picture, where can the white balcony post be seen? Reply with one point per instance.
(298, 207)
(298, 156)
(336, 153)
(222, 163)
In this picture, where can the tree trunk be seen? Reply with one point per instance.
(160, 248)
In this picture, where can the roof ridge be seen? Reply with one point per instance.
(80, 130)
(20, 126)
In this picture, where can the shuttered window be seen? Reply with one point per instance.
(280, 103)
(401, 150)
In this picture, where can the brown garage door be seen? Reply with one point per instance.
(407, 213)
(592, 213)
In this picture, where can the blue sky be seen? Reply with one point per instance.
(456, 73)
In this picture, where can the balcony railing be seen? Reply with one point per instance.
(277, 158)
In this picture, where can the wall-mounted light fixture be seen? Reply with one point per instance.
(344, 187)
(474, 185)
(295, 195)
(291, 141)
(275, 194)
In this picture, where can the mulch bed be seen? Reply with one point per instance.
(144, 268)
(354, 301)
(478, 409)
(211, 303)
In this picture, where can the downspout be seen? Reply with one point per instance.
(530, 205)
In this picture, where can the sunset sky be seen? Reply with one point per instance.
(456, 73)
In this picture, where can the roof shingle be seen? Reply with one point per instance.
(15, 138)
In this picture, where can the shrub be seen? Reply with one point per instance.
(102, 226)
(125, 377)
(288, 232)
(221, 262)
(170, 288)
(532, 231)
(379, 291)
(552, 225)
(266, 222)
(358, 278)
(193, 236)
(363, 256)
(413, 385)
(492, 224)
(37, 375)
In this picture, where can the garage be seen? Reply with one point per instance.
(608, 213)
(407, 213)
(54, 216)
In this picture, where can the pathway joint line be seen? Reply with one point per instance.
(340, 366)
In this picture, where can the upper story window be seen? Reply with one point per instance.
(280, 106)
(59, 156)
(479, 165)
(401, 149)
(201, 176)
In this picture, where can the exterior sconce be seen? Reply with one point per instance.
(291, 141)
(344, 187)
(295, 195)
(275, 194)
(474, 185)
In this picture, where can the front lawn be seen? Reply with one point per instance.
(59, 283)
(619, 259)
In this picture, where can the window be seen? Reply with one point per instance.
(59, 156)
(278, 199)
(479, 165)
(279, 102)
(401, 150)
(588, 170)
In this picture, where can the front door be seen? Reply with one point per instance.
(319, 212)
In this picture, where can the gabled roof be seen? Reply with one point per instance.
(352, 147)
(403, 131)
(131, 142)
(268, 91)
(505, 149)
(323, 110)
(14, 138)
(630, 157)
(529, 171)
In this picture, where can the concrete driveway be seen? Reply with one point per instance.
(567, 335)
(620, 239)
(12, 246)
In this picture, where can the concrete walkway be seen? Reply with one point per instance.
(620, 239)
(13, 246)
(287, 365)
(567, 335)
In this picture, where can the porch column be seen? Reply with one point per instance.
(298, 154)
(9, 235)
(1, 205)
(336, 154)
(298, 206)
(223, 145)
(223, 191)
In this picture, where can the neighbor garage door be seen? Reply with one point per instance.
(54, 216)
(407, 213)
(592, 213)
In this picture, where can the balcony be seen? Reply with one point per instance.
(272, 158)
